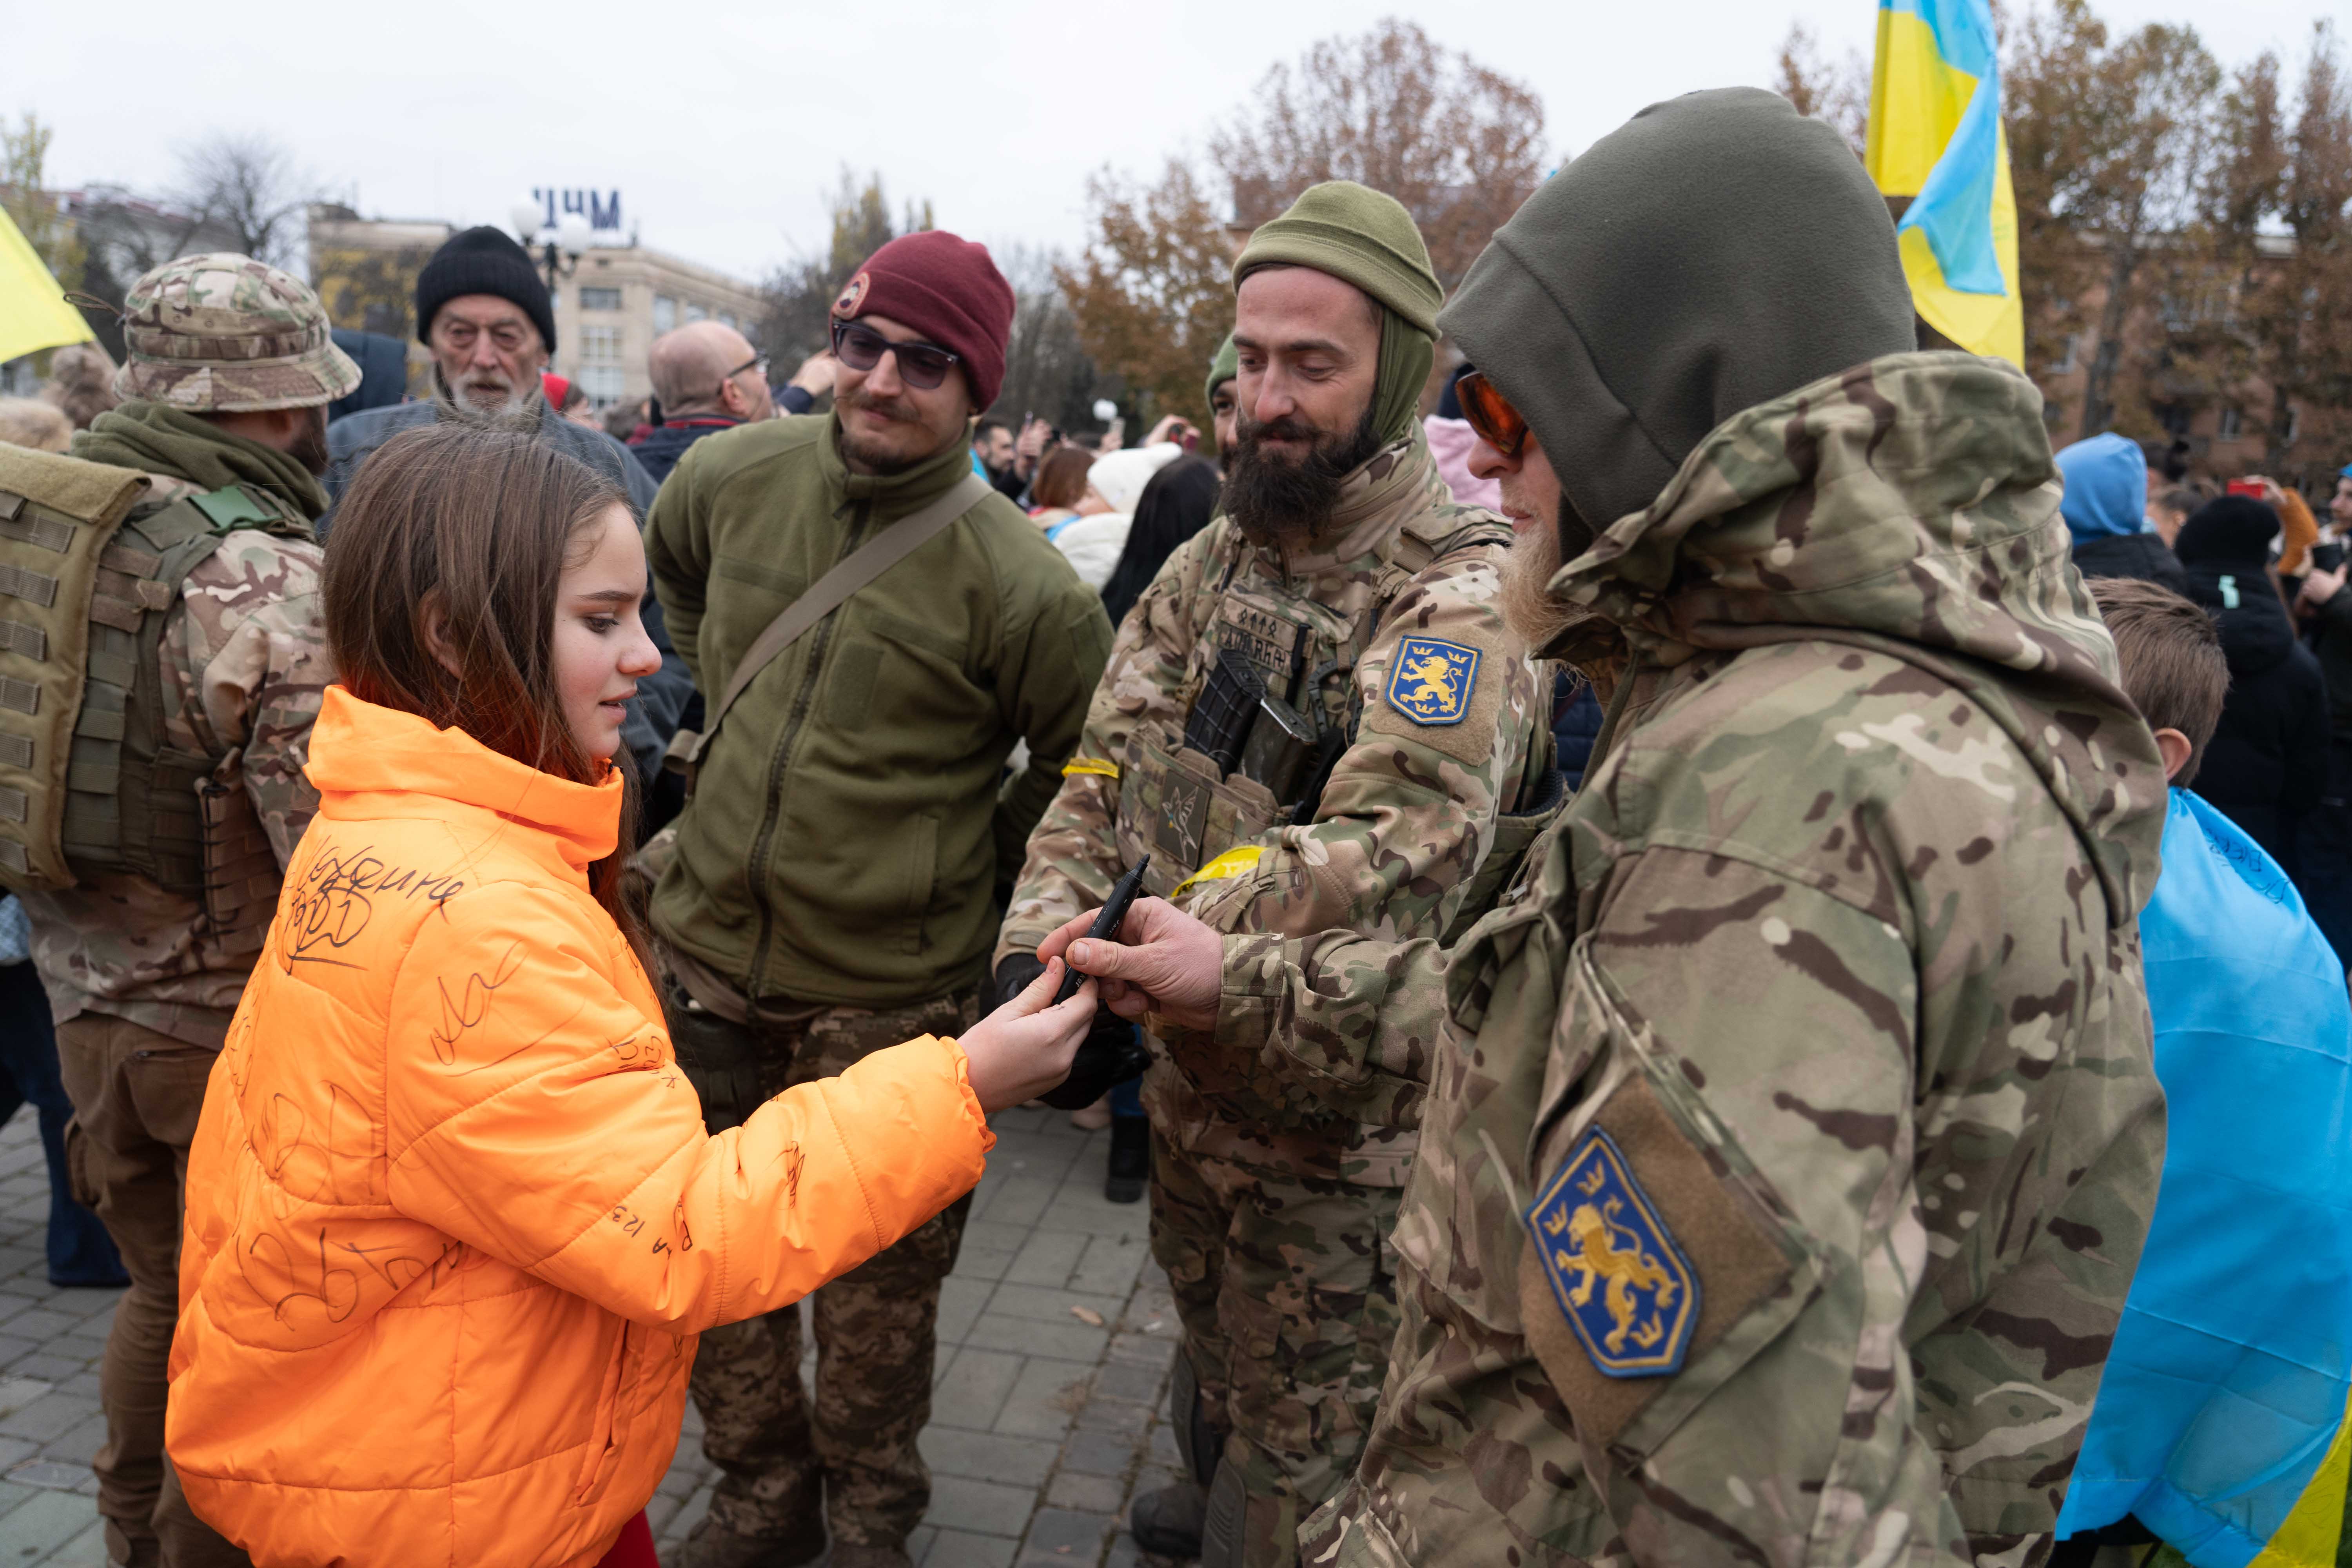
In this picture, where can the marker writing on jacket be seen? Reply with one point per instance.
(472, 1003)
(331, 906)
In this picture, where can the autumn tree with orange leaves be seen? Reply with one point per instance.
(1460, 144)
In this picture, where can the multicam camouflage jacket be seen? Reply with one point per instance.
(245, 665)
(1793, 1131)
(1386, 630)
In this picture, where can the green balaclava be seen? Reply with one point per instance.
(1360, 237)
(1716, 251)
(1221, 369)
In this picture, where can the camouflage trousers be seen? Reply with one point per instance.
(854, 1446)
(136, 1096)
(1287, 1296)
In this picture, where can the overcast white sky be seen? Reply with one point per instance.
(722, 122)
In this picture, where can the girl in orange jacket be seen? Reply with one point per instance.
(453, 1219)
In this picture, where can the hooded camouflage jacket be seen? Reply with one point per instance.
(1399, 577)
(1813, 1049)
(244, 667)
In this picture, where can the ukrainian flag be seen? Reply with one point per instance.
(2219, 1423)
(1935, 136)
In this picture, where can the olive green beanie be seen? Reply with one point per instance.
(1365, 238)
(1221, 369)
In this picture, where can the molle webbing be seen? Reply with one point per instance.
(90, 782)
(59, 518)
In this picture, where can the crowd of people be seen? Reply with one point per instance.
(1675, 951)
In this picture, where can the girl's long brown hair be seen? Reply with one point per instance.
(476, 523)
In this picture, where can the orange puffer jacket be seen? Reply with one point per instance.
(453, 1220)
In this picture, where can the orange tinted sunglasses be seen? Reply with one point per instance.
(1490, 414)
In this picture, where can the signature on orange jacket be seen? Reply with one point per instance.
(453, 1218)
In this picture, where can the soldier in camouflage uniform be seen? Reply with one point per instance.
(1369, 617)
(1791, 1131)
(229, 372)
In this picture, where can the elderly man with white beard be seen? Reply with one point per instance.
(484, 310)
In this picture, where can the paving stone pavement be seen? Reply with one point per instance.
(1049, 1403)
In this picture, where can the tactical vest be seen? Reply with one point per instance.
(1270, 705)
(90, 566)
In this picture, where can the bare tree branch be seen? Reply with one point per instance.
(249, 185)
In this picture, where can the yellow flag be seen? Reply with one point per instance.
(32, 310)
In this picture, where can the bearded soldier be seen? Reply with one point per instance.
(1313, 717)
(1792, 1131)
(163, 661)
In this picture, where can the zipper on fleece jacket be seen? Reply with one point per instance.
(765, 843)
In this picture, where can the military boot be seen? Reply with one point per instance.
(711, 1545)
(1168, 1522)
(1131, 1159)
(848, 1556)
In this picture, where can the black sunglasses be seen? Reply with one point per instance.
(757, 361)
(923, 366)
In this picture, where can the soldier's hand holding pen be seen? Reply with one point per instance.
(1164, 962)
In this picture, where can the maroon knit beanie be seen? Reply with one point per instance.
(946, 290)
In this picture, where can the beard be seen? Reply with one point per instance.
(492, 400)
(1530, 608)
(310, 447)
(1273, 498)
(871, 456)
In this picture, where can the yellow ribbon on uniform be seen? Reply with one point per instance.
(1091, 765)
(1232, 863)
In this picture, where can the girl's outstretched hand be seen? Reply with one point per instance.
(1024, 1047)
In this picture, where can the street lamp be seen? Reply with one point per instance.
(560, 244)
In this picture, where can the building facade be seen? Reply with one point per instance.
(2182, 371)
(618, 299)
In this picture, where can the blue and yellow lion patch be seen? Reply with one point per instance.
(1430, 682)
(1622, 1280)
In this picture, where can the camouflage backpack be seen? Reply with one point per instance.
(92, 563)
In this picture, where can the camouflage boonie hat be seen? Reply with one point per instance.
(226, 334)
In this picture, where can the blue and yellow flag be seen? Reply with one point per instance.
(2220, 1418)
(1935, 136)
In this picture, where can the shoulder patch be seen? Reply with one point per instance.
(1429, 681)
(1616, 1270)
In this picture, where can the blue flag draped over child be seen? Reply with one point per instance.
(2221, 1416)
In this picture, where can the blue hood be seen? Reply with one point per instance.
(2107, 487)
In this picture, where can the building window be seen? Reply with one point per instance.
(664, 312)
(694, 312)
(600, 346)
(600, 299)
(2294, 425)
(727, 320)
(603, 384)
(2232, 421)
(2065, 365)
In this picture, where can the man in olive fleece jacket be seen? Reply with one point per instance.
(833, 890)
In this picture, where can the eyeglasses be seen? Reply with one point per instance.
(757, 361)
(922, 365)
(1490, 414)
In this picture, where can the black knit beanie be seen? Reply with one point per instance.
(484, 260)
(2228, 531)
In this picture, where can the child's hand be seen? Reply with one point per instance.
(1024, 1047)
